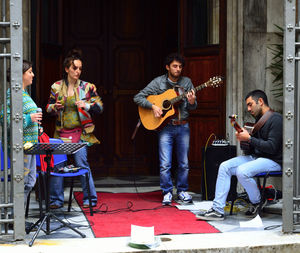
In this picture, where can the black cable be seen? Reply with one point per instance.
(104, 209)
(134, 165)
(129, 208)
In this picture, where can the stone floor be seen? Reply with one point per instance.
(261, 234)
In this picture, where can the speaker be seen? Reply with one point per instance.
(211, 160)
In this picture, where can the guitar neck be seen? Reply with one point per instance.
(180, 97)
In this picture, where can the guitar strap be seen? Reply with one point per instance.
(136, 129)
(245, 146)
(175, 86)
(262, 121)
(179, 89)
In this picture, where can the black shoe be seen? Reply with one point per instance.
(210, 215)
(29, 227)
(253, 208)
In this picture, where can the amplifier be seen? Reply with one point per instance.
(212, 158)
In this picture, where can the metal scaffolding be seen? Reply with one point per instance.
(291, 66)
(12, 187)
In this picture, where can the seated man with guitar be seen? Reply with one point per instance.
(264, 154)
(172, 123)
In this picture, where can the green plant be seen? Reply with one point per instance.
(276, 65)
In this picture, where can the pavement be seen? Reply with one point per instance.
(238, 233)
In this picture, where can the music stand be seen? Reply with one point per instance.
(50, 149)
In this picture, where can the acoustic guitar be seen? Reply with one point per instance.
(166, 102)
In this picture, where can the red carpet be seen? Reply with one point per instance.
(116, 212)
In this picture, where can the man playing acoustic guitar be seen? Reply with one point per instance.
(175, 133)
(264, 155)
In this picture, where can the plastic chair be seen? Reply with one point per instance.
(61, 161)
(262, 188)
(2, 180)
(2, 161)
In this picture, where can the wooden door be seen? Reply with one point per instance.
(203, 43)
(123, 44)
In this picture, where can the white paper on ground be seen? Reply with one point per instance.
(254, 223)
(142, 235)
(197, 206)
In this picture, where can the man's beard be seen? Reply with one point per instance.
(174, 77)
(258, 115)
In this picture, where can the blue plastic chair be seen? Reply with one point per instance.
(261, 187)
(61, 161)
(2, 161)
(2, 180)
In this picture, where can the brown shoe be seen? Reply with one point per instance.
(88, 206)
(55, 206)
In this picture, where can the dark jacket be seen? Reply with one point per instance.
(267, 142)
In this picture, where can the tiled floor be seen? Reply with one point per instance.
(65, 238)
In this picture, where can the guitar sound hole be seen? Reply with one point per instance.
(166, 104)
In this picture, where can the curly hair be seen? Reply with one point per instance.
(174, 57)
(73, 55)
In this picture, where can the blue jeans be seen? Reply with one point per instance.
(29, 174)
(57, 183)
(179, 137)
(244, 168)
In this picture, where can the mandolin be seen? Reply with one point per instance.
(248, 126)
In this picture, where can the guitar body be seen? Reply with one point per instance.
(165, 101)
(147, 117)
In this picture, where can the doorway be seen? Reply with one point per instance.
(124, 43)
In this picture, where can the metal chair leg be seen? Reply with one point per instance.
(262, 191)
(40, 182)
(71, 193)
(40, 198)
(89, 193)
(27, 205)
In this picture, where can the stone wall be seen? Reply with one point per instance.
(250, 30)
(260, 18)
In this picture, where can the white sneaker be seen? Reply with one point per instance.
(185, 197)
(167, 199)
